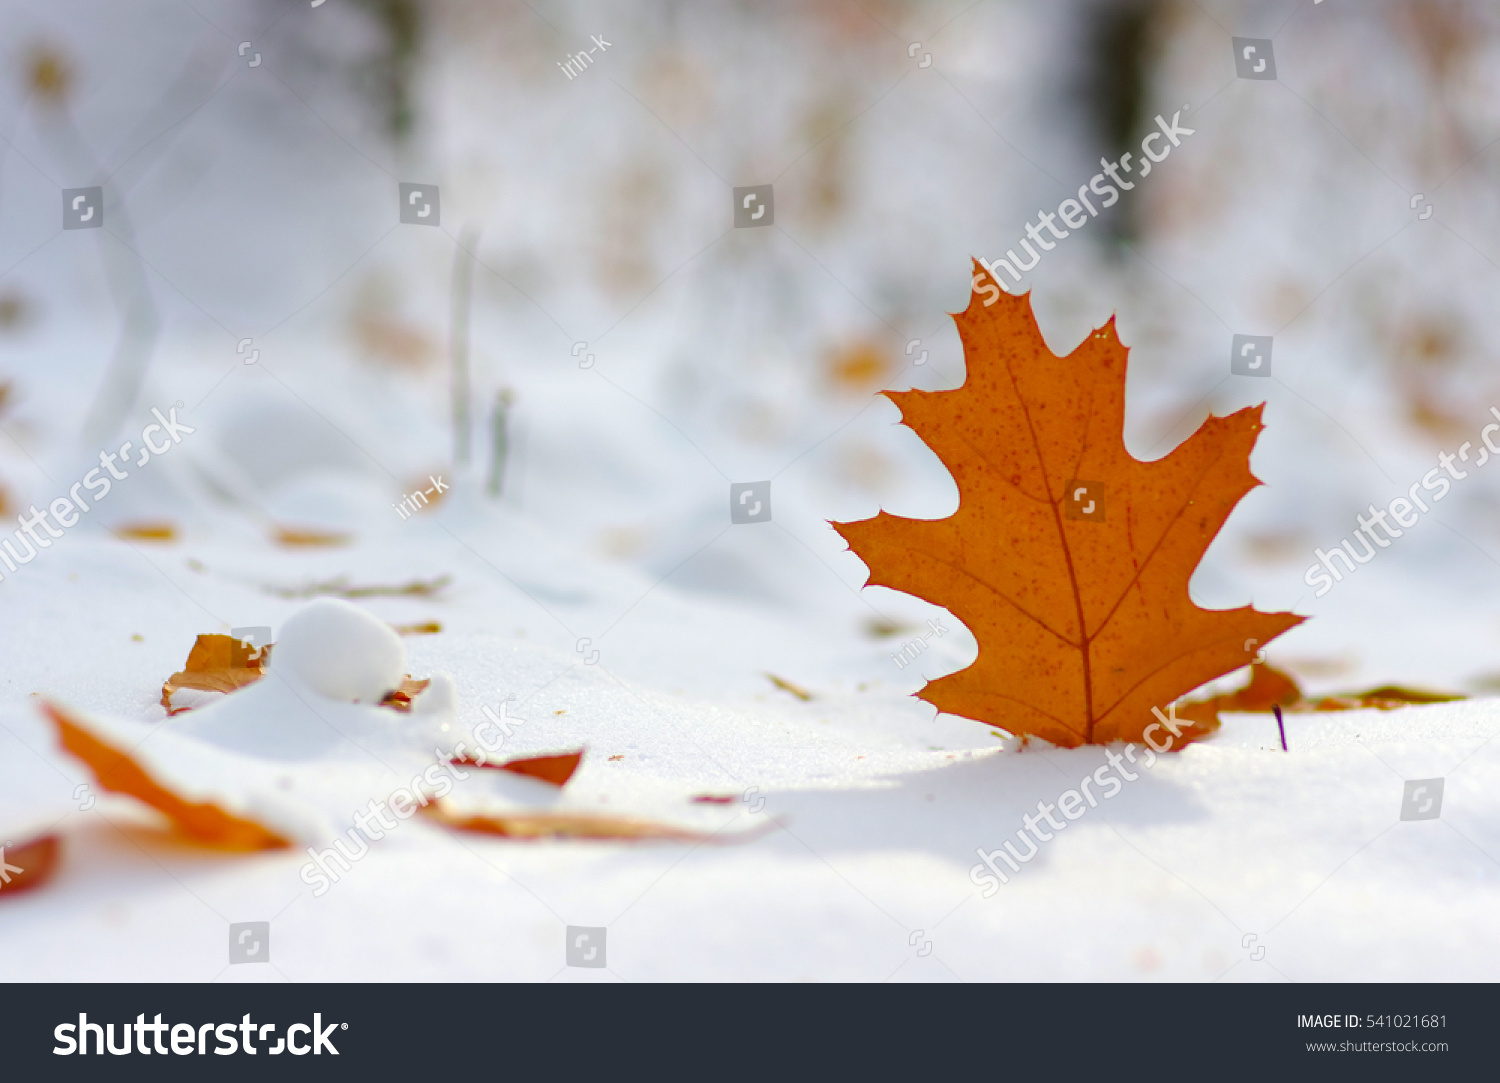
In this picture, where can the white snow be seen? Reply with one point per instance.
(338, 651)
(606, 601)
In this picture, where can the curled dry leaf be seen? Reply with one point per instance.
(554, 769)
(400, 698)
(29, 865)
(1068, 558)
(216, 664)
(118, 772)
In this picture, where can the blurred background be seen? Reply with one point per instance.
(584, 340)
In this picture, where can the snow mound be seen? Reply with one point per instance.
(341, 652)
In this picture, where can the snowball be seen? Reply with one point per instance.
(339, 651)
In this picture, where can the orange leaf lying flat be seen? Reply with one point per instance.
(553, 769)
(217, 663)
(294, 537)
(341, 588)
(559, 825)
(1067, 558)
(117, 772)
(1387, 697)
(146, 531)
(29, 865)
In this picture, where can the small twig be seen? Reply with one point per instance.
(1279, 726)
(787, 686)
(458, 338)
(499, 440)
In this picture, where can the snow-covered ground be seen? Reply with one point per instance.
(606, 598)
(877, 808)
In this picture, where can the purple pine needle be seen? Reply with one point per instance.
(1279, 727)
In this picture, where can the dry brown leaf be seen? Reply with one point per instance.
(421, 628)
(882, 628)
(117, 771)
(340, 588)
(1067, 558)
(217, 663)
(221, 663)
(787, 686)
(555, 769)
(1387, 697)
(295, 537)
(400, 698)
(859, 367)
(147, 531)
(29, 865)
(48, 75)
(387, 339)
(1266, 687)
(562, 825)
(1270, 687)
(431, 495)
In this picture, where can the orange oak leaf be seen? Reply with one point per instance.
(118, 772)
(1067, 558)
